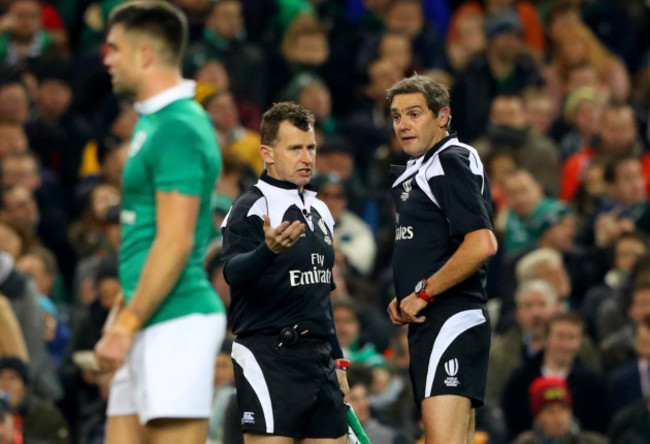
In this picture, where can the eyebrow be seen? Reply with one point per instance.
(408, 108)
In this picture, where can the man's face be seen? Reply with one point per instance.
(14, 105)
(347, 326)
(382, 75)
(310, 49)
(359, 401)
(555, 274)
(534, 309)
(33, 265)
(27, 18)
(415, 125)
(630, 183)
(563, 342)
(316, 98)
(508, 111)
(21, 171)
(292, 156)
(618, 130)
(505, 46)
(11, 383)
(562, 235)
(12, 139)
(224, 112)
(627, 253)
(53, 98)
(406, 18)
(555, 419)
(522, 193)
(640, 306)
(227, 19)
(122, 62)
(334, 197)
(20, 209)
(397, 50)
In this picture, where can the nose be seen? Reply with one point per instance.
(403, 125)
(307, 156)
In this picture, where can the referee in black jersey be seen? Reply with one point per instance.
(278, 255)
(443, 237)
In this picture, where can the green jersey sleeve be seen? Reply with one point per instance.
(176, 159)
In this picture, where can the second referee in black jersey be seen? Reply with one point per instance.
(443, 237)
(278, 255)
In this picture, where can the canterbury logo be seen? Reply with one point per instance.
(407, 185)
(451, 367)
(323, 227)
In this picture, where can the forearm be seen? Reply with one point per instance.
(240, 268)
(12, 342)
(164, 265)
(470, 256)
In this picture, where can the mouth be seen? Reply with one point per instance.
(304, 172)
(407, 139)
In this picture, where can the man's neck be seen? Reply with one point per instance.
(555, 365)
(159, 81)
(500, 66)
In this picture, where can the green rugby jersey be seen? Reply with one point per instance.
(173, 147)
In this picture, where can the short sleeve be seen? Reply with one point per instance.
(176, 159)
(460, 192)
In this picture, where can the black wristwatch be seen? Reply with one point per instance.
(420, 291)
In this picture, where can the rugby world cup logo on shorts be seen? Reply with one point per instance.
(451, 367)
(407, 189)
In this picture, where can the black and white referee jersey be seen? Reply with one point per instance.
(439, 197)
(271, 291)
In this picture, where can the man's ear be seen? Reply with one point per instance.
(267, 154)
(444, 115)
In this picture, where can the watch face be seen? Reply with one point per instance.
(420, 286)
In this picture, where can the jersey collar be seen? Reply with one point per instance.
(437, 146)
(184, 90)
(283, 183)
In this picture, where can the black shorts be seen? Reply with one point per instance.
(290, 391)
(449, 352)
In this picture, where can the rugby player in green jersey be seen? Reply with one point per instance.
(169, 326)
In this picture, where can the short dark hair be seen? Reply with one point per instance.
(47, 257)
(436, 95)
(571, 317)
(611, 167)
(278, 113)
(157, 19)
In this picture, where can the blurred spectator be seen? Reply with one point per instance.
(14, 102)
(242, 142)
(536, 303)
(620, 347)
(315, 96)
(10, 242)
(539, 111)
(351, 234)
(630, 426)
(628, 248)
(470, 39)
(56, 134)
(18, 209)
(348, 330)
(23, 296)
(618, 136)
(545, 264)
(407, 17)
(574, 45)
(629, 382)
(377, 432)
(397, 49)
(550, 403)
(533, 34)
(369, 125)
(528, 214)
(57, 332)
(581, 112)
(9, 433)
(563, 337)
(504, 68)
(12, 137)
(508, 132)
(224, 393)
(41, 419)
(41, 265)
(224, 39)
(22, 36)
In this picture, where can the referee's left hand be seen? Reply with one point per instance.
(410, 307)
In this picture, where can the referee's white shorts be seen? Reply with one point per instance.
(169, 372)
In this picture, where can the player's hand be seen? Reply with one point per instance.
(112, 348)
(394, 313)
(410, 307)
(284, 236)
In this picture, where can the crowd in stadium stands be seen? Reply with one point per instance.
(554, 95)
